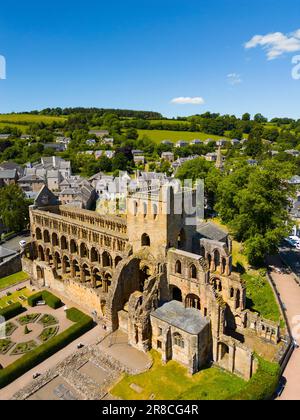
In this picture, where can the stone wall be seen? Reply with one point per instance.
(11, 266)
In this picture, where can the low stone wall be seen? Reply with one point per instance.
(11, 266)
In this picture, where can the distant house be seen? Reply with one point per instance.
(31, 183)
(8, 177)
(181, 143)
(91, 142)
(99, 133)
(139, 159)
(58, 147)
(11, 166)
(252, 162)
(167, 143)
(295, 180)
(25, 137)
(108, 141)
(221, 143)
(274, 152)
(196, 141)
(137, 152)
(4, 136)
(63, 140)
(168, 156)
(235, 142)
(211, 157)
(108, 153)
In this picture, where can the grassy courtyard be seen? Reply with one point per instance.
(20, 296)
(171, 382)
(13, 280)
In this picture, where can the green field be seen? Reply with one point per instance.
(171, 382)
(159, 135)
(13, 279)
(28, 119)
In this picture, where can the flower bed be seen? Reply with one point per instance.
(48, 320)
(48, 333)
(10, 327)
(23, 348)
(5, 345)
(28, 319)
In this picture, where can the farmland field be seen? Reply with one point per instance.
(28, 119)
(160, 135)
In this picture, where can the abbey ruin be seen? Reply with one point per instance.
(168, 283)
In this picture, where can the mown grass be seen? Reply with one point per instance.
(159, 135)
(13, 279)
(172, 382)
(15, 298)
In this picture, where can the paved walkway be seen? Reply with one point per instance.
(290, 296)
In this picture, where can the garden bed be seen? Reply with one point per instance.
(23, 348)
(28, 319)
(48, 333)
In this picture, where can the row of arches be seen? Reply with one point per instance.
(215, 261)
(191, 300)
(144, 209)
(93, 255)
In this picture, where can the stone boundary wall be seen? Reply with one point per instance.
(11, 266)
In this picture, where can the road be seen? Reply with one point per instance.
(13, 244)
(289, 292)
(291, 256)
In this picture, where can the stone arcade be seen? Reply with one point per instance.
(168, 284)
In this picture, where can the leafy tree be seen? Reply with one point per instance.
(246, 117)
(14, 212)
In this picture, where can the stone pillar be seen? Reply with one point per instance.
(82, 275)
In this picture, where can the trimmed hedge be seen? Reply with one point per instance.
(11, 311)
(53, 301)
(41, 353)
(263, 383)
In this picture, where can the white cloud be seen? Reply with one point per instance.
(197, 100)
(234, 79)
(275, 44)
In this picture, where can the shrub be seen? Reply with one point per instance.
(39, 354)
(53, 301)
(11, 311)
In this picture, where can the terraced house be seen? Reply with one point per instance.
(166, 282)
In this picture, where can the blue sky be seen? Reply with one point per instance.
(143, 54)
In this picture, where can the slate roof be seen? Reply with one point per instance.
(211, 231)
(174, 313)
(8, 174)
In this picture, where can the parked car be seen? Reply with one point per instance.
(22, 243)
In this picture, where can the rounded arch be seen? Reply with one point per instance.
(66, 264)
(98, 283)
(46, 236)
(178, 267)
(193, 301)
(57, 260)
(63, 243)
(76, 268)
(38, 234)
(216, 258)
(176, 293)
(94, 255)
(193, 272)
(145, 241)
(54, 238)
(107, 282)
(73, 247)
(41, 254)
(106, 259)
(84, 253)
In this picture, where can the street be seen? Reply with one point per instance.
(13, 244)
(290, 296)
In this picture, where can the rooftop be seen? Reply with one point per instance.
(174, 313)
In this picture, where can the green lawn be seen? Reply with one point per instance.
(15, 298)
(171, 382)
(260, 296)
(13, 279)
(159, 135)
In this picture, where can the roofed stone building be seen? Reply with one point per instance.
(165, 282)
